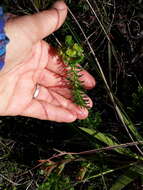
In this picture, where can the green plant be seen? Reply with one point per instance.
(56, 182)
(73, 55)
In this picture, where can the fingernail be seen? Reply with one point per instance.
(59, 5)
(82, 111)
(91, 85)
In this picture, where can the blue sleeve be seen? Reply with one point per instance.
(3, 38)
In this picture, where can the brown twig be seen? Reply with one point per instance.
(62, 153)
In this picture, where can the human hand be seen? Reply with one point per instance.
(32, 63)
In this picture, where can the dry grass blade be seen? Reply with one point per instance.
(9, 180)
(118, 110)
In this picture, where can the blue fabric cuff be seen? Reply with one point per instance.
(3, 38)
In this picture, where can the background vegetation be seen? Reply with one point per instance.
(103, 152)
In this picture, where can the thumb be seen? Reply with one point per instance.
(37, 26)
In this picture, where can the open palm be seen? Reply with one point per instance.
(33, 81)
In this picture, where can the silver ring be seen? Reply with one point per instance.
(37, 90)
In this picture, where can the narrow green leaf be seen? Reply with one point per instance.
(131, 174)
(122, 113)
(107, 140)
(138, 168)
(124, 180)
